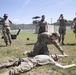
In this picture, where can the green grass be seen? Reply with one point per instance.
(21, 44)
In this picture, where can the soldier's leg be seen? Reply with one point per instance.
(63, 38)
(36, 49)
(5, 37)
(9, 36)
(60, 37)
(60, 31)
(44, 50)
(63, 35)
(23, 67)
(9, 63)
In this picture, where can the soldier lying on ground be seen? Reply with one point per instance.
(22, 65)
(44, 39)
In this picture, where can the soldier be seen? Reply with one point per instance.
(44, 39)
(6, 29)
(25, 64)
(43, 25)
(62, 28)
(74, 21)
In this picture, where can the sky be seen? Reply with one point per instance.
(22, 11)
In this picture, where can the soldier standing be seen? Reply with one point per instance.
(44, 39)
(74, 21)
(43, 25)
(6, 29)
(62, 28)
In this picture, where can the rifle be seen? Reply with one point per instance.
(14, 36)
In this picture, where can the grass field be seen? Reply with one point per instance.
(21, 44)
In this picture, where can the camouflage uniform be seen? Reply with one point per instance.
(62, 30)
(42, 26)
(25, 64)
(40, 46)
(6, 30)
(74, 20)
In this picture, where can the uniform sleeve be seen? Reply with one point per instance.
(1, 22)
(58, 46)
(74, 19)
(46, 27)
(25, 66)
(10, 21)
(43, 38)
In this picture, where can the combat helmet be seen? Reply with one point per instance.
(5, 15)
(56, 34)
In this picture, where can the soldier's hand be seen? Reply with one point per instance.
(65, 55)
(26, 52)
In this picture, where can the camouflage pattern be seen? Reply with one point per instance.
(42, 26)
(74, 20)
(40, 46)
(62, 30)
(26, 64)
(6, 30)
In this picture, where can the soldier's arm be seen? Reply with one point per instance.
(64, 67)
(61, 66)
(66, 22)
(61, 56)
(38, 23)
(46, 27)
(74, 21)
(1, 22)
(58, 46)
(58, 19)
(10, 21)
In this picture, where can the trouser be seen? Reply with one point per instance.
(10, 63)
(74, 28)
(39, 49)
(24, 66)
(61, 38)
(20, 65)
(62, 32)
(7, 35)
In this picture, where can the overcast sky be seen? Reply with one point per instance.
(22, 11)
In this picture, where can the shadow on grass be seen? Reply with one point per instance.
(30, 44)
(68, 44)
(2, 45)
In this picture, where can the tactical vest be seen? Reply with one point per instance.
(42, 26)
(6, 23)
(62, 22)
